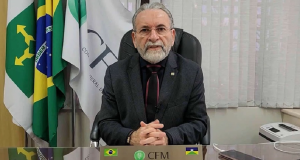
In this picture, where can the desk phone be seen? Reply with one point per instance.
(280, 132)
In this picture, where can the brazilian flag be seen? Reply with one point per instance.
(110, 152)
(49, 90)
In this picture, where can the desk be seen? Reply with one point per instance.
(262, 151)
(291, 116)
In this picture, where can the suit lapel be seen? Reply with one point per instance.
(134, 75)
(167, 84)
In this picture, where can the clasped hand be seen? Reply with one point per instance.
(149, 134)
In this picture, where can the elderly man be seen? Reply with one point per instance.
(157, 96)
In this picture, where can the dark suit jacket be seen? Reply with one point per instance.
(181, 105)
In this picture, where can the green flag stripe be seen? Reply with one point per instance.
(82, 12)
(58, 63)
(41, 3)
(73, 6)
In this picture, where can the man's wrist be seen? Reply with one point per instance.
(129, 137)
(134, 139)
(166, 139)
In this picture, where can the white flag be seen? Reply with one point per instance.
(91, 44)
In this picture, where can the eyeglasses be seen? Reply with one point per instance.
(159, 30)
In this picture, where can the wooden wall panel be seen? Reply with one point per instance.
(3, 153)
(10, 134)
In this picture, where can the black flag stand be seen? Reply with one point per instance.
(73, 116)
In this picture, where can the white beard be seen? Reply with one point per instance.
(154, 56)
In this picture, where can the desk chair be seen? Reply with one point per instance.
(185, 44)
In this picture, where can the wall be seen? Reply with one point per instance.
(10, 134)
(240, 125)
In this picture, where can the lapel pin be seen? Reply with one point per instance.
(172, 73)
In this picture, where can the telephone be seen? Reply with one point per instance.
(274, 132)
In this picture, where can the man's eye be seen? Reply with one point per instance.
(161, 29)
(144, 30)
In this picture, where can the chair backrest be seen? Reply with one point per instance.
(185, 44)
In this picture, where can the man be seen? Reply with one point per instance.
(156, 97)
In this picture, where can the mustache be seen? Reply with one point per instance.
(156, 44)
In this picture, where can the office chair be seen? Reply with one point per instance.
(185, 44)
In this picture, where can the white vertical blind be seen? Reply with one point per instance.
(250, 49)
(280, 79)
(259, 57)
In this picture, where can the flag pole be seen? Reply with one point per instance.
(74, 103)
(73, 117)
(26, 139)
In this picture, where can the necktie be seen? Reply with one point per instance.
(152, 92)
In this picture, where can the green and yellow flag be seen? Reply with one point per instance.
(21, 153)
(110, 152)
(20, 48)
(49, 91)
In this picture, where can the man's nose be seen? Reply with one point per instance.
(153, 37)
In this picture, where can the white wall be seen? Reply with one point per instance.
(228, 126)
(240, 125)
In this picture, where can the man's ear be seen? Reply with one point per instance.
(133, 38)
(173, 35)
